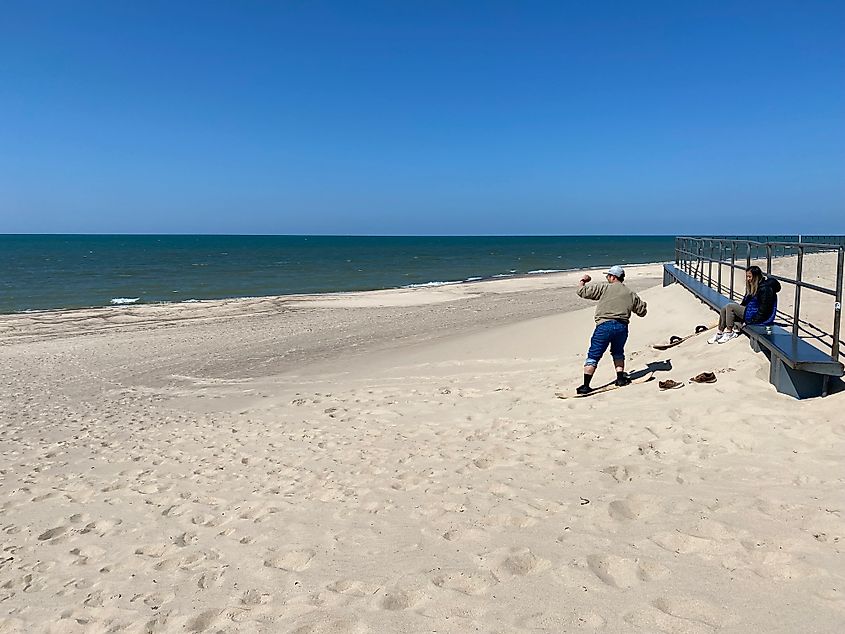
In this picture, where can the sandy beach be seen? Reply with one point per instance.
(397, 461)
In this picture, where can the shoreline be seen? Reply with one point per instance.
(82, 320)
(421, 285)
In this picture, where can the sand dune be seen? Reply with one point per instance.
(173, 474)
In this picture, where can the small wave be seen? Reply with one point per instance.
(542, 271)
(473, 279)
(124, 300)
(430, 284)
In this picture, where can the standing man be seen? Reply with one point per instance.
(616, 303)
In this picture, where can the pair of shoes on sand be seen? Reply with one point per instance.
(704, 377)
(723, 337)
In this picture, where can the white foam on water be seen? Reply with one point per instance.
(117, 301)
(542, 271)
(430, 284)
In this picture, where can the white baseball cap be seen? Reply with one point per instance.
(616, 270)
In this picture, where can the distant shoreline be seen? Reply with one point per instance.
(66, 273)
(320, 295)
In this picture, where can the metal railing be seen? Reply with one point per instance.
(803, 239)
(697, 257)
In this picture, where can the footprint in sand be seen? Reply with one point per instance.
(623, 573)
(777, 565)
(711, 529)
(153, 599)
(255, 597)
(94, 600)
(101, 528)
(401, 599)
(473, 583)
(292, 561)
(455, 534)
(53, 533)
(86, 554)
(186, 539)
(681, 543)
(690, 609)
(188, 563)
(155, 551)
(675, 614)
(523, 562)
(620, 473)
(355, 587)
(32, 584)
(633, 507)
(203, 621)
(207, 519)
(676, 415)
(212, 578)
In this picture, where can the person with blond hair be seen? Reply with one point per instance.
(759, 306)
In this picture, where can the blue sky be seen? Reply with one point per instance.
(422, 117)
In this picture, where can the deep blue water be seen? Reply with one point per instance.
(73, 271)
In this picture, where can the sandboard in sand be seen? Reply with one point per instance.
(641, 376)
(675, 340)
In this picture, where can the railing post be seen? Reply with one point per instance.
(697, 259)
(768, 259)
(721, 251)
(837, 307)
(691, 243)
(710, 266)
(733, 267)
(747, 255)
(798, 278)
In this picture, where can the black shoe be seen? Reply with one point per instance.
(584, 389)
(622, 381)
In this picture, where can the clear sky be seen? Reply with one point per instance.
(429, 117)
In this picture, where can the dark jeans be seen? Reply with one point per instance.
(608, 333)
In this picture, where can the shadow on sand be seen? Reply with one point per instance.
(651, 368)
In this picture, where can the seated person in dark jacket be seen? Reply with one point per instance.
(759, 306)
